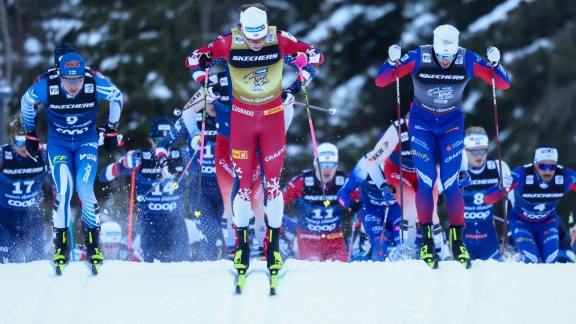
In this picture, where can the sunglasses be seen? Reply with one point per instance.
(255, 41)
(72, 80)
(327, 165)
(477, 152)
(19, 140)
(158, 140)
(547, 167)
(445, 57)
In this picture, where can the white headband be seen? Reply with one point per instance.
(475, 140)
(545, 153)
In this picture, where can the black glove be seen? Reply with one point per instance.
(32, 142)
(205, 59)
(110, 133)
(292, 90)
(355, 206)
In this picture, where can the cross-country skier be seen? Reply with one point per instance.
(533, 219)
(319, 230)
(375, 206)
(71, 103)
(254, 53)
(479, 234)
(440, 73)
(21, 216)
(160, 205)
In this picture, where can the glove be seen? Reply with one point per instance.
(163, 162)
(32, 143)
(355, 206)
(110, 134)
(195, 143)
(300, 59)
(464, 179)
(388, 193)
(213, 93)
(205, 59)
(287, 97)
(130, 161)
(507, 181)
(493, 55)
(394, 53)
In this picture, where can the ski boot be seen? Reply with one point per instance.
(62, 251)
(427, 247)
(242, 257)
(459, 251)
(94, 257)
(273, 257)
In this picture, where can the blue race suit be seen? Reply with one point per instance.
(437, 120)
(209, 199)
(160, 206)
(72, 140)
(533, 218)
(374, 209)
(21, 216)
(479, 234)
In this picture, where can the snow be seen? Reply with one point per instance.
(500, 13)
(309, 292)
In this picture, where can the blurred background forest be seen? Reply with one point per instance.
(141, 46)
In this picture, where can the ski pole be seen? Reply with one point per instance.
(500, 181)
(316, 157)
(399, 142)
(197, 212)
(176, 184)
(379, 251)
(131, 210)
(331, 111)
(73, 257)
(351, 244)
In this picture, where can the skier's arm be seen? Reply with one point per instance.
(494, 193)
(219, 48)
(290, 45)
(294, 189)
(408, 64)
(384, 147)
(121, 167)
(354, 180)
(477, 66)
(36, 94)
(570, 174)
(108, 91)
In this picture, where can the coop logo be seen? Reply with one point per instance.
(17, 203)
(162, 207)
(72, 131)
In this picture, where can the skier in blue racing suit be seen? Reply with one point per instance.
(71, 101)
(440, 73)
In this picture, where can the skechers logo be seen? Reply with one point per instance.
(73, 106)
(440, 76)
(254, 58)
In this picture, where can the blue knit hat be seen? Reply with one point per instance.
(160, 126)
(72, 64)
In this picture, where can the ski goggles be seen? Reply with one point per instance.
(445, 57)
(478, 152)
(157, 140)
(328, 165)
(547, 167)
(19, 140)
(72, 80)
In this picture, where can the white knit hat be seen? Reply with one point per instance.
(446, 40)
(254, 23)
(327, 152)
(545, 153)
